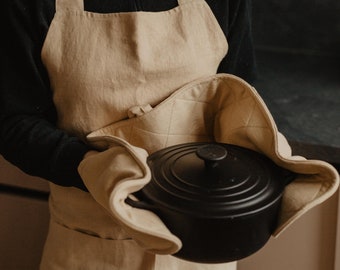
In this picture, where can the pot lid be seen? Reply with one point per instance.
(213, 179)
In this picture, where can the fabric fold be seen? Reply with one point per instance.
(113, 174)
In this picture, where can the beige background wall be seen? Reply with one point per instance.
(309, 244)
(23, 221)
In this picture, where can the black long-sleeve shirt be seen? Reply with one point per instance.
(29, 137)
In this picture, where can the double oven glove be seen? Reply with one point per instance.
(226, 109)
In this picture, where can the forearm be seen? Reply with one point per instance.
(38, 148)
(29, 137)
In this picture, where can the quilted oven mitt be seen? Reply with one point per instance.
(113, 174)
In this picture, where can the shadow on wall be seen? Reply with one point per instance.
(298, 58)
(304, 26)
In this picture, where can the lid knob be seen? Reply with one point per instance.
(211, 154)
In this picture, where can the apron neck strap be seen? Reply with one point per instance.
(183, 2)
(69, 5)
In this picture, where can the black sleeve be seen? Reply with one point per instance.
(234, 17)
(29, 138)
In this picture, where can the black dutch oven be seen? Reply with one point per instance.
(221, 200)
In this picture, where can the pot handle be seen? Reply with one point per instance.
(140, 204)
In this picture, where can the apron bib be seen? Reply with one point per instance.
(101, 68)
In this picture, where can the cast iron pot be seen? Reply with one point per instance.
(221, 200)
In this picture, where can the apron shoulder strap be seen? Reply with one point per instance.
(183, 2)
(69, 5)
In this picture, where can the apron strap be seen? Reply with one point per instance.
(69, 5)
(183, 2)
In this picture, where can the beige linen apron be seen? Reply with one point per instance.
(104, 68)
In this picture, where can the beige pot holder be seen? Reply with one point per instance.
(221, 108)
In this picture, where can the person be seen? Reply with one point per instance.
(59, 61)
